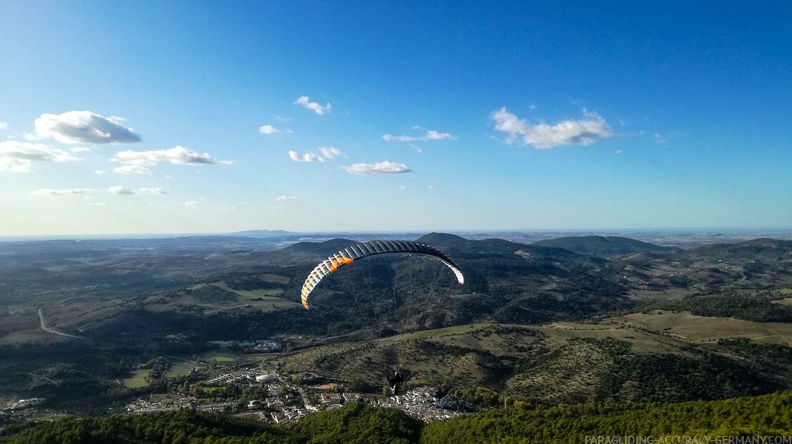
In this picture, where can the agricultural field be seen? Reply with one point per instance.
(137, 380)
(223, 357)
(709, 329)
(180, 368)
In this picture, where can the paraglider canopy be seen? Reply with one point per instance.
(359, 251)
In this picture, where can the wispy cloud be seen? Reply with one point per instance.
(152, 190)
(95, 204)
(100, 172)
(120, 190)
(61, 192)
(658, 138)
(192, 204)
(84, 127)
(329, 152)
(268, 130)
(385, 167)
(3, 126)
(305, 102)
(17, 157)
(285, 198)
(80, 149)
(404, 187)
(137, 162)
(307, 157)
(591, 129)
(429, 135)
(132, 169)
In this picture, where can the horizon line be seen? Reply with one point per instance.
(122, 236)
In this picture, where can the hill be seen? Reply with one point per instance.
(540, 323)
(561, 363)
(323, 249)
(757, 249)
(601, 246)
(262, 233)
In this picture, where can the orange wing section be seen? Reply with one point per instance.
(335, 263)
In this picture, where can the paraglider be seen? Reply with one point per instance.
(395, 381)
(350, 254)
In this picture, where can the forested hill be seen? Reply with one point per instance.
(323, 249)
(459, 248)
(769, 415)
(756, 250)
(602, 246)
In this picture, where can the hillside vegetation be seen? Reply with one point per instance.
(769, 415)
(539, 323)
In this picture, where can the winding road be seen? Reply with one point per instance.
(55, 332)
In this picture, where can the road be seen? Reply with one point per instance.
(54, 332)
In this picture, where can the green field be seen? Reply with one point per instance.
(425, 334)
(262, 300)
(249, 293)
(224, 357)
(25, 336)
(709, 329)
(137, 380)
(179, 369)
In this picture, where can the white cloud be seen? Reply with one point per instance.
(307, 157)
(268, 130)
(132, 169)
(3, 126)
(14, 165)
(385, 167)
(95, 204)
(305, 102)
(618, 152)
(120, 190)
(84, 127)
(100, 172)
(17, 157)
(592, 128)
(285, 198)
(80, 149)
(192, 204)
(61, 192)
(658, 138)
(283, 119)
(329, 152)
(152, 190)
(136, 162)
(404, 187)
(430, 135)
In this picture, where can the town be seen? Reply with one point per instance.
(245, 379)
(278, 397)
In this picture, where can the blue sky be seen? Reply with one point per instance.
(187, 117)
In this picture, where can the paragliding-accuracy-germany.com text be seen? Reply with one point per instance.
(683, 439)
